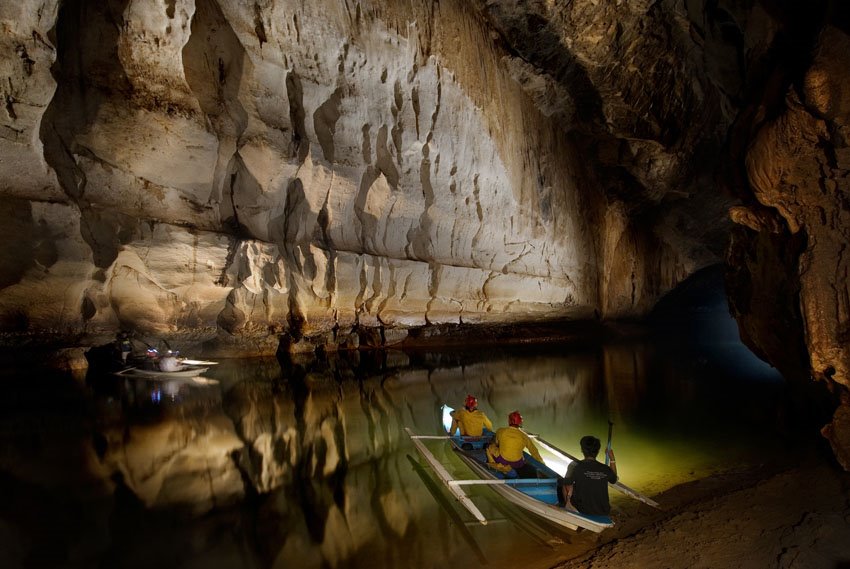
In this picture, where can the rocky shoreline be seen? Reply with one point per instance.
(794, 515)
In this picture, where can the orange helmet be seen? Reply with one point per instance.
(471, 402)
(515, 419)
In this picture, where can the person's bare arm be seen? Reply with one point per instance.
(567, 482)
(611, 461)
(534, 452)
(568, 492)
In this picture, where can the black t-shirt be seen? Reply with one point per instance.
(590, 491)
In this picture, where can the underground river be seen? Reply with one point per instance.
(260, 464)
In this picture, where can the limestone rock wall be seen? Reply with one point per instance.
(678, 104)
(788, 280)
(232, 175)
(633, 84)
(334, 172)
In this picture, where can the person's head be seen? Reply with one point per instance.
(515, 419)
(590, 446)
(471, 403)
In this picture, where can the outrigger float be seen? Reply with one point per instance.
(536, 494)
(188, 371)
(186, 368)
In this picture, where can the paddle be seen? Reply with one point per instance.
(618, 485)
(446, 417)
(608, 447)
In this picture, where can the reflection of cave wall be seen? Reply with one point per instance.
(331, 453)
(308, 465)
(169, 444)
(318, 415)
(322, 459)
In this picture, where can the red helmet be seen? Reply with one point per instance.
(471, 402)
(515, 419)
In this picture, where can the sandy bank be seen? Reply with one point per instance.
(787, 517)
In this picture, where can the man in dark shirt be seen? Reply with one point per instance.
(585, 487)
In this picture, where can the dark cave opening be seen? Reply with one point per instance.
(694, 318)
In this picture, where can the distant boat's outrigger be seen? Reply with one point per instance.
(535, 494)
(168, 366)
(186, 371)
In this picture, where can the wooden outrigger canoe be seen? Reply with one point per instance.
(619, 486)
(444, 475)
(148, 368)
(535, 491)
(188, 371)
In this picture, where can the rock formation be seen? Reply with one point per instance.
(788, 272)
(248, 175)
(330, 173)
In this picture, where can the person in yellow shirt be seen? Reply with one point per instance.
(470, 420)
(509, 442)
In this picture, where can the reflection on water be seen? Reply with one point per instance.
(308, 465)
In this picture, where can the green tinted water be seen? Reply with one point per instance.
(309, 465)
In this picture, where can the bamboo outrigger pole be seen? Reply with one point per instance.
(446, 477)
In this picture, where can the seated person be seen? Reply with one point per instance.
(125, 347)
(169, 362)
(585, 486)
(508, 444)
(470, 420)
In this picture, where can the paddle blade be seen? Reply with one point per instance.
(447, 418)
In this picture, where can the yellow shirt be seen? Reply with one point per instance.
(471, 423)
(512, 441)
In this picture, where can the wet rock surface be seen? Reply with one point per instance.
(226, 175)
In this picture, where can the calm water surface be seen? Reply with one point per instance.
(309, 466)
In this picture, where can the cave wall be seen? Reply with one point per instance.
(337, 172)
(795, 220)
(234, 175)
(706, 99)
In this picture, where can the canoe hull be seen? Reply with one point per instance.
(538, 495)
(155, 374)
